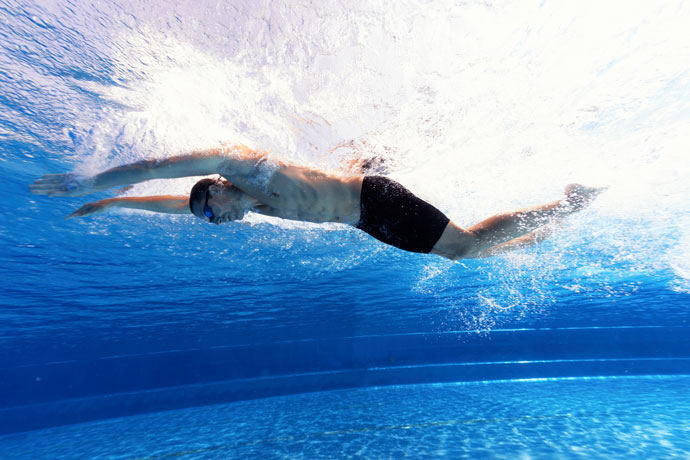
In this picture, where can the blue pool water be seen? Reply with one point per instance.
(135, 335)
(644, 417)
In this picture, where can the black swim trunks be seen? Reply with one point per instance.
(394, 215)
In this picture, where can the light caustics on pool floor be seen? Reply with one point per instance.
(625, 417)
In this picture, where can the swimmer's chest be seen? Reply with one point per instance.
(299, 193)
(300, 188)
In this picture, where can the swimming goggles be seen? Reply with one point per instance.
(208, 211)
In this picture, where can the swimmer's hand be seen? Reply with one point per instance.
(93, 208)
(68, 184)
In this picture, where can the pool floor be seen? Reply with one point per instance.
(621, 417)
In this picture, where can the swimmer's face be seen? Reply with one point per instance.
(222, 202)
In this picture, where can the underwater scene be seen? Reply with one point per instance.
(149, 335)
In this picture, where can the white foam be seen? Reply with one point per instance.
(480, 107)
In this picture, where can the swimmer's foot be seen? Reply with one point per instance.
(578, 196)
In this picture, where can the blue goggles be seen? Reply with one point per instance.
(208, 211)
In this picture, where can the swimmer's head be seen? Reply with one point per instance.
(218, 201)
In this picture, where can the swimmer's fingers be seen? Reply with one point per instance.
(90, 209)
(50, 181)
(68, 184)
(84, 211)
(46, 190)
(44, 185)
(50, 191)
(55, 178)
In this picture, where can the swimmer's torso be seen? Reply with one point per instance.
(299, 193)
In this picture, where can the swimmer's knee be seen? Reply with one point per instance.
(472, 249)
(457, 243)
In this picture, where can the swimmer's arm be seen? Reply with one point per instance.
(226, 161)
(169, 204)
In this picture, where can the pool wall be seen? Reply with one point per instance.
(77, 391)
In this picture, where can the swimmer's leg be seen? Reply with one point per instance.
(502, 232)
(522, 242)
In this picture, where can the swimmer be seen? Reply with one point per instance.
(375, 204)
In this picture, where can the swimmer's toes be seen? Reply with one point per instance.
(579, 196)
(583, 191)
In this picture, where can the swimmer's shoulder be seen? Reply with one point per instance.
(239, 159)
